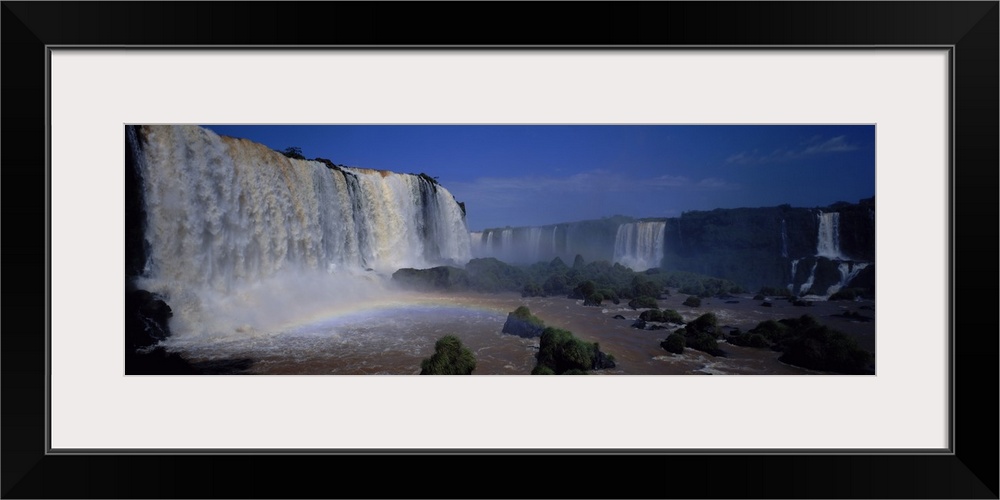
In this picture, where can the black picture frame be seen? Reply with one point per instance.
(969, 28)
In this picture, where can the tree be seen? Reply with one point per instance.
(449, 358)
(294, 152)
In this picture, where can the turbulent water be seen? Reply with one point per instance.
(639, 245)
(242, 238)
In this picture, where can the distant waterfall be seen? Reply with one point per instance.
(639, 245)
(795, 265)
(534, 243)
(784, 239)
(519, 245)
(225, 214)
(476, 244)
(828, 241)
(507, 244)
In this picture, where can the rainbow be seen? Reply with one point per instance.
(353, 313)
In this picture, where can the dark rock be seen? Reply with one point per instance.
(618, 316)
(435, 278)
(732, 302)
(767, 304)
(521, 328)
(156, 361)
(147, 318)
(329, 164)
(602, 361)
(640, 324)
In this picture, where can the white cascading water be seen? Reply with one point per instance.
(805, 288)
(828, 241)
(476, 244)
(506, 244)
(639, 245)
(791, 286)
(241, 237)
(534, 242)
(848, 271)
(784, 239)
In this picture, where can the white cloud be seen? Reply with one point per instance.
(594, 181)
(811, 147)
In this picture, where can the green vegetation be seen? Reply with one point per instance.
(692, 301)
(492, 275)
(532, 290)
(435, 278)
(560, 353)
(674, 343)
(293, 152)
(811, 345)
(449, 358)
(643, 303)
(522, 323)
(806, 343)
(701, 333)
(593, 299)
(592, 282)
(583, 290)
(664, 316)
(524, 313)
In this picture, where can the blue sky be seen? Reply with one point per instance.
(522, 175)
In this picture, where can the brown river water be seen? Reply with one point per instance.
(393, 337)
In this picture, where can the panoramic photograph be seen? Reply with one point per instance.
(499, 250)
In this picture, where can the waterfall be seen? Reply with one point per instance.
(507, 244)
(848, 271)
(784, 239)
(534, 243)
(809, 282)
(791, 286)
(828, 240)
(476, 244)
(225, 215)
(639, 245)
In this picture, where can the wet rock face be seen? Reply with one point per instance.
(147, 318)
(602, 361)
(521, 327)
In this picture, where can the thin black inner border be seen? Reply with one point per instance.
(949, 450)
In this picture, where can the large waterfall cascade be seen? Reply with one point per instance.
(639, 245)
(828, 240)
(225, 215)
(828, 246)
